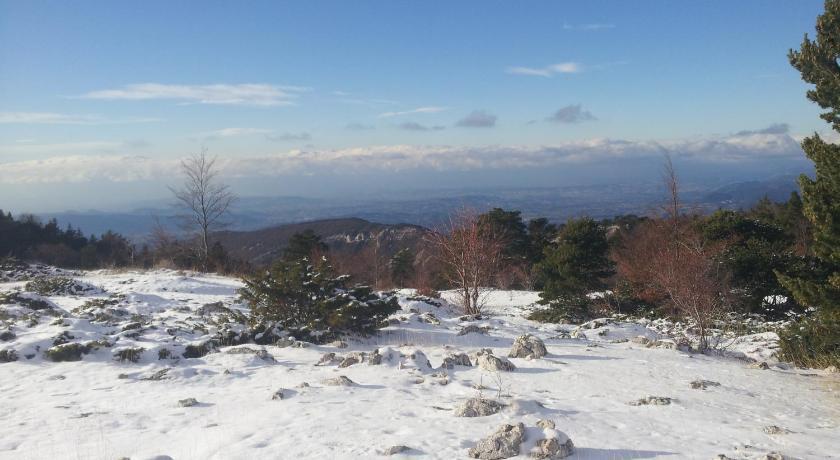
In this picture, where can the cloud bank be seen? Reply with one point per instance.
(253, 94)
(733, 149)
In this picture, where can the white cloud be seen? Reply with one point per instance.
(65, 119)
(389, 158)
(221, 94)
(233, 132)
(588, 27)
(547, 71)
(430, 109)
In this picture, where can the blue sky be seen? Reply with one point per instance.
(98, 100)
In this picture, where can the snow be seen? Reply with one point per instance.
(99, 408)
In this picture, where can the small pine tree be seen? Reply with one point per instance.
(305, 244)
(309, 302)
(820, 288)
(402, 267)
(572, 268)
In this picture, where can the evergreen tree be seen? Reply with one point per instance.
(402, 267)
(817, 61)
(754, 251)
(305, 244)
(540, 234)
(575, 266)
(309, 302)
(508, 226)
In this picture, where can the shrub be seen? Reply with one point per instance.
(573, 310)
(197, 351)
(67, 352)
(309, 302)
(129, 354)
(813, 341)
(30, 303)
(8, 356)
(57, 285)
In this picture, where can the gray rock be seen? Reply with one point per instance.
(774, 429)
(328, 359)
(351, 359)
(559, 446)
(473, 329)
(284, 342)
(375, 358)
(456, 359)
(189, 402)
(279, 394)
(429, 318)
(487, 361)
(477, 407)
(339, 344)
(340, 381)
(527, 346)
(640, 340)
(774, 456)
(652, 401)
(503, 443)
(545, 424)
(762, 365)
(393, 450)
(158, 375)
(701, 384)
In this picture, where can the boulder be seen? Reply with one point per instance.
(351, 359)
(774, 430)
(545, 424)
(328, 359)
(394, 450)
(701, 384)
(557, 446)
(456, 359)
(640, 340)
(473, 329)
(761, 365)
(477, 407)
(189, 402)
(279, 394)
(652, 401)
(487, 361)
(527, 346)
(340, 381)
(503, 443)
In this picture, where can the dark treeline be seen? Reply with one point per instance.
(29, 239)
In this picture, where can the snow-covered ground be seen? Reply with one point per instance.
(101, 408)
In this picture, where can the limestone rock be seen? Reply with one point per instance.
(487, 361)
(456, 359)
(652, 401)
(503, 443)
(340, 381)
(189, 402)
(477, 407)
(527, 346)
(701, 384)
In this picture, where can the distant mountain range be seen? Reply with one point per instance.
(430, 208)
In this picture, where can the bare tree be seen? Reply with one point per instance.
(203, 199)
(668, 261)
(471, 255)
